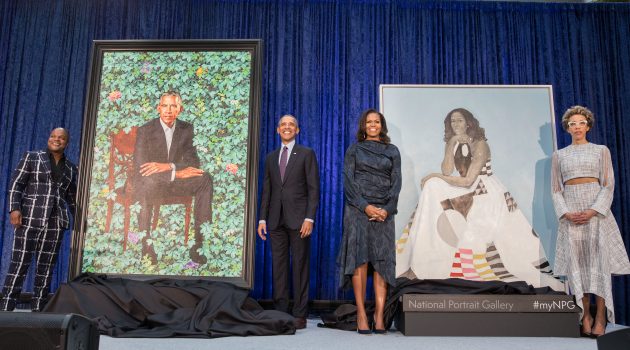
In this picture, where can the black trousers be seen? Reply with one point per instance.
(200, 187)
(283, 241)
(44, 243)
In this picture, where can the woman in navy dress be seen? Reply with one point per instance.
(372, 182)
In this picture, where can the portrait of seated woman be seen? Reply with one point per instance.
(467, 224)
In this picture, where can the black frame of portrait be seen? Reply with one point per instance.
(89, 135)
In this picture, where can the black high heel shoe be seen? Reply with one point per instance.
(378, 331)
(364, 331)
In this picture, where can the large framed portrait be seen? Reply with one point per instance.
(169, 160)
(447, 213)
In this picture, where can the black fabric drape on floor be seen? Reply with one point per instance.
(167, 308)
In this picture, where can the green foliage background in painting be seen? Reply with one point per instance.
(215, 90)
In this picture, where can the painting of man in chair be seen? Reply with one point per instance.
(167, 170)
(169, 161)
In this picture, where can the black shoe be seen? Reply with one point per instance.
(196, 257)
(364, 331)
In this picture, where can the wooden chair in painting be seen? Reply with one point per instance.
(122, 147)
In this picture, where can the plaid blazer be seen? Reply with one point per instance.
(34, 193)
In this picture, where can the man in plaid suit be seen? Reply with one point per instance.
(43, 188)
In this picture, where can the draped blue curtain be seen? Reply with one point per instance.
(323, 62)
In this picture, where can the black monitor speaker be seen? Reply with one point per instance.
(617, 340)
(46, 331)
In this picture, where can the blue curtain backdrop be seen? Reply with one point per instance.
(324, 61)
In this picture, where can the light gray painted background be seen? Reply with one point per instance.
(520, 129)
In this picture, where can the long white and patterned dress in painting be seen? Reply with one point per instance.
(587, 254)
(474, 233)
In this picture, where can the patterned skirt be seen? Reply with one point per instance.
(475, 233)
(589, 254)
(364, 242)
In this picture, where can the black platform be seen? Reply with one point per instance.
(489, 315)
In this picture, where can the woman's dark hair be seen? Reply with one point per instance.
(362, 134)
(590, 117)
(473, 130)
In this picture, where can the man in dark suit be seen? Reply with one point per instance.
(289, 202)
(167, 164)
(43, 188)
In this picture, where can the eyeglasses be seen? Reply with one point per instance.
(580, 123)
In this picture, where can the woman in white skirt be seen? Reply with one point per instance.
(589, 248)
(467, 225)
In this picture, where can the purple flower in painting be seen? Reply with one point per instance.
(146, 68)
(133, 237)
(191, 265)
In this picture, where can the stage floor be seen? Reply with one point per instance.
(316, 338)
